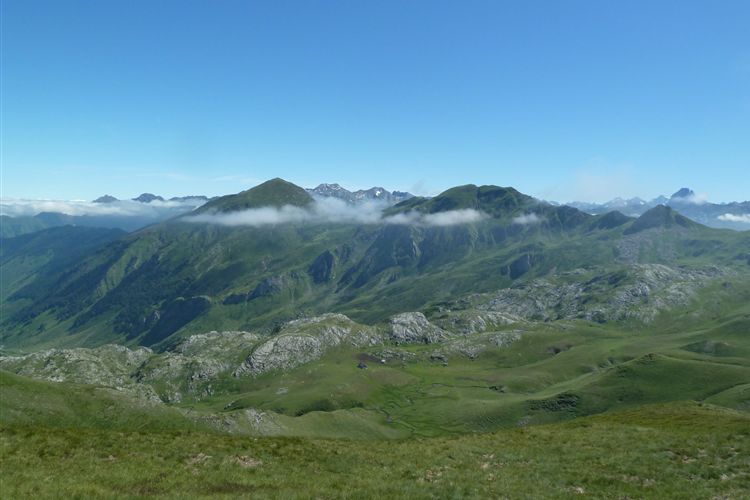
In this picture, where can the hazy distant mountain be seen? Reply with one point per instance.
(106, 199)
(683, 194)
(734, 215)
(184, 199)
(372, 194)
(27, 216)
(148, 198)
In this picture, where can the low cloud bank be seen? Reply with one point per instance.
(527, 219)
(448, 218)
(123, 208)
(744, 218)
(332, 210)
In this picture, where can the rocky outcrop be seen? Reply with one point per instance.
(108, 365)
(471, 322)
(305, 340)
(414, 328)
(190, 367)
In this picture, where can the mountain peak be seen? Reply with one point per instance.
(683, 193)
(273, 193)
(660, 216)
(106, 199)
(493, 200)
(329, 187)
(375, 193)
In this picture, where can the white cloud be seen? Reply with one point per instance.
(255, 217)
(447, 218)
(126, 208)
(527, 219)
(333, 210)
(744, 218)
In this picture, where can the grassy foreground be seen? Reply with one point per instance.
(677, 450)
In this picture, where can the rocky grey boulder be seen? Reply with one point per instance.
(413, 327)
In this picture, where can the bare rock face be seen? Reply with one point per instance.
(304, 340)
(413, 327)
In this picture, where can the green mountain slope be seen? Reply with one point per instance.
(32, 263)
(450, 373)
(183, 277)
(16, 226)
(33, 403)
(274, 193)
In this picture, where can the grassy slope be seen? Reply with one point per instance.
(554, 372)
(602, 371)
(30, 402)
(65, 440)
(679, 450)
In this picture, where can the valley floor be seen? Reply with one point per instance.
(677, 450)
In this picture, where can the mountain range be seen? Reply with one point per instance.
(147, 208)
(377, 194)
(269, 254)
(734, 215)
(278, 311)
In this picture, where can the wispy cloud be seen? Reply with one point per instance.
(744, 218)
(527, 219)
(332, 210)
(693, 199)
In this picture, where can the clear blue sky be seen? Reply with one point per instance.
(562, 99)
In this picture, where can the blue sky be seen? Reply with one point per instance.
(562, 100)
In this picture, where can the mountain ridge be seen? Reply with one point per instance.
(178, 276)
(731, 215)
(377, 194)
